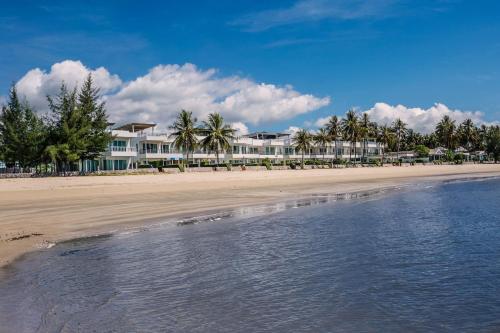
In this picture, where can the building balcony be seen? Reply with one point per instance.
(114, 151)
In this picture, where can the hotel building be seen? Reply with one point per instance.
(136, 144)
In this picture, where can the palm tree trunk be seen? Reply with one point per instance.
(335, 148)
(355, 152)
(363, 151)
(383, 155)
(350, 151)
(302, 164)
(397, 154)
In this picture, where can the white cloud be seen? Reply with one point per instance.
(166, 89)
(317, 10)
(421, 120)
(36, 84)
(241, 128)
(292, 130)
(159, 95)
(320, 122)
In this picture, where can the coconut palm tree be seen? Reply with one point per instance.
(334, 130)
(400, 130)
(385, 136)
(493, 142)
(217, 133)
(365, 129)
(185, 132)
(445, 131)
(322, 139)
(468, 133)
(302, 140)
(350, 129)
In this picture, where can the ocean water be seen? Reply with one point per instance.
(418, 259)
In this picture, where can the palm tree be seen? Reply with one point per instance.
(218, 134)
(400, 131)
(445, 131)
(185, 132)
(385, 136)
(364, 127)
(302, 140)
(468, 133)
(334, 130)
(350, 128)
(322, 139)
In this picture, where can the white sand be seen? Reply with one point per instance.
(64, 208)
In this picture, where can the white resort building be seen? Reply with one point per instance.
(137, 144)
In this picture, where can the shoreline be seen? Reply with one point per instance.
(43, 211)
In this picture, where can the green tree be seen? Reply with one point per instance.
(492, 142)
(69, 128)
(422, 151)
(385, 137)
(97, 137)
(22, 132)
(303, 141)
(445, 132)
(185, 132)
(350, 129)
(468, 134)
(365, 129)
(334, 130)
(400, 130)
(322, 139)
(218, 134)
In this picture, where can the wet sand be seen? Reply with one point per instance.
(37, 212)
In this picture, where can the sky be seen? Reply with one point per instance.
(266, 65)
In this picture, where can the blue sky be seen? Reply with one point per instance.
(356, 53)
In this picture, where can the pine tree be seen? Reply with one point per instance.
(69, 129)
(22, 132)
(97, 138)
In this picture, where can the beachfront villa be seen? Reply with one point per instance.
(138, 144)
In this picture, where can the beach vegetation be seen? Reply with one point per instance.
(185, 133)
(217, 134)
(303, 141)
(492, 142)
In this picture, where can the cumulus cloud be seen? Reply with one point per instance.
(421, 120)
(320, 122)
(241, 128)
(160, 94)
(36, 84)
(292, 130)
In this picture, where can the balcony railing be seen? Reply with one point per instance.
(123, 149)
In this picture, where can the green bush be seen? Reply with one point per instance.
(422, 151)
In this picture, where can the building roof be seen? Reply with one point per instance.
(437, 151)
(134, 127)
(265, 135)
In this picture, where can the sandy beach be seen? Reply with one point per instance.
(36, 212)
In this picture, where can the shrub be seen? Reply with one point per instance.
(229, 167)
(422, 151)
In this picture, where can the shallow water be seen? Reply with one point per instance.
(414, 260)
